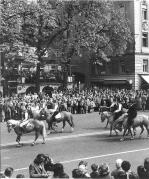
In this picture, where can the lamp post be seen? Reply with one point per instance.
(130, 83)
(79, 87)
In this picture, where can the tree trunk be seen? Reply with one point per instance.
(38, 76)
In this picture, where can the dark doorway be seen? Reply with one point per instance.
(31, 90)
(48, 90)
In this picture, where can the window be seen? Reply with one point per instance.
(144, 14)
(145, 39)
(145, 65)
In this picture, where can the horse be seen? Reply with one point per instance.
(110, 117)
(139, 121)
(110, 112)
(32, 125)
(63, 116)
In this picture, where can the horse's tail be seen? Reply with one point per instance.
(44, 133)
(71, 118)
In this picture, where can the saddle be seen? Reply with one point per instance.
(26, 125)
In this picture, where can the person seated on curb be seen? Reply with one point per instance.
(146, 166)
(141, 172)
(36, 169)
(104, 171)
(118, 169)
(126, 166)
(95, 172)
(59, 171)
(8, 172)
(76, 173)
(83, 167)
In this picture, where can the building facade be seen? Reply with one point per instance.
(132, 69)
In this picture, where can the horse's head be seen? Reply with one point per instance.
(11, 124)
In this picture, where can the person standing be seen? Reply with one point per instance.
(144, 99)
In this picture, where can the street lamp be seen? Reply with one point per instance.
(79, 86)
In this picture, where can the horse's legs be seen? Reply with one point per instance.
(132, 136)
(110, 130)
(142, 129)
(64, 123)
(71, 125)
(18, 140)
(107, 123)
(124, 133)
(36, 137)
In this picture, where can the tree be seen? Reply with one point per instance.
(67, 26)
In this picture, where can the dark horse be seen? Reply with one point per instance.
(32, 125)
(64, 117)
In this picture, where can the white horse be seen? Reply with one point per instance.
(110, 120)
(139, 121)
(33, 125)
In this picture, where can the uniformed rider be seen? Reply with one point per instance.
(132, 113)
(116, 107)
(53, 109)
(24, 119)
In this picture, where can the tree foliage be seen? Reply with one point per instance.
(66, 26)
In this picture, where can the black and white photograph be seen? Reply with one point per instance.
(74, 89)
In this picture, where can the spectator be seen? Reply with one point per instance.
(146, 166)
(48, 163)
(144, 98)
(95, 172)
(141, 172)
(36, 169)
(104, 171)
(76, 173)
(8, 172)
(126, 166)
(118, 169)
(2, 175)
(59, 171)
(84, 168)
(20, 176)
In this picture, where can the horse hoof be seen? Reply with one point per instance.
(122, 139)
(72, 129)
(43, 142)
(62, 130)
(19, 145)
(48, 133)
(132, 138)
(33, 144)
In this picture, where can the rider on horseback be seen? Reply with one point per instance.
(117, 110)
(24, 119)
(132, 113)
(53, 109)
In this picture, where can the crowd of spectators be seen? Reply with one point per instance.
(44, 167)
(77, 102)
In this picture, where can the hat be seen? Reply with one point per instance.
(104, 169)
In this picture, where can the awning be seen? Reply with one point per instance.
(145, 78)
(115, 81)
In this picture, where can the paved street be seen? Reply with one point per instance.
(89, 141)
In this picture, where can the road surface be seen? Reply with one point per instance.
(89, 141)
